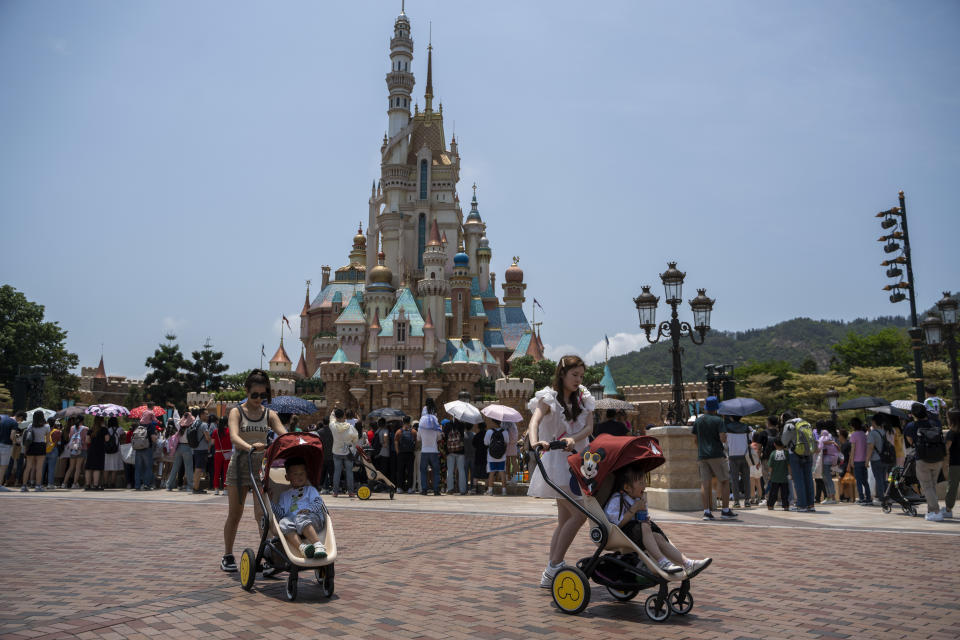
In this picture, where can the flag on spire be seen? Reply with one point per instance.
(538, 304)
(288, 323)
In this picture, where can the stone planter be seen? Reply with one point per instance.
(675, 485)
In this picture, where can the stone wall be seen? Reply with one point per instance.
(675, 485)
(515, 393)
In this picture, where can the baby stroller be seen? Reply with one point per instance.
(370, 478)
(901, 483)
(273, 546)
(618, 563)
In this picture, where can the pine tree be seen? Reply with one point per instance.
(205, 372)
(165, 383)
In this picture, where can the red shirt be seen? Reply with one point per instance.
(221, 443)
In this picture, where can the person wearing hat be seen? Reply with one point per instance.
(711, 434)
(143, 457)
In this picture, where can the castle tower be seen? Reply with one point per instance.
(460, 294)
(473, 229)
(379, 295)
(400, 78)
(514, 287)
(483, 265)
(359, 253)
(373, 236)
(280, 362)
(434, 287)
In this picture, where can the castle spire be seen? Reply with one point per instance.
(428, 96)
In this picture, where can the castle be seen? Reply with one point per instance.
(417, 293)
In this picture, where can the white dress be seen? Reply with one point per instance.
(553, 426)
(113, 461)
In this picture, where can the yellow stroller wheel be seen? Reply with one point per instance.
(363, 492)
(570, 590)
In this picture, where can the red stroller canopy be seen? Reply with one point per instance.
(607, 454)
(308, 446)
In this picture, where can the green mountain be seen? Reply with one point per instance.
(793, 341)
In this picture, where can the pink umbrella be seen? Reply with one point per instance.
(502, 413)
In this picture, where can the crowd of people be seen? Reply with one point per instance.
(796, 464)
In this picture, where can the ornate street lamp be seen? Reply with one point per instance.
(932, 331)
(833, 403)
(948, 313)
(673, 328)
(596, 390)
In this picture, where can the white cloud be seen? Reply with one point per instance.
(557, 352)
(172, 324)
(58, 46)
(620, 344)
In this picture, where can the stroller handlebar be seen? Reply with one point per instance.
(556, 444)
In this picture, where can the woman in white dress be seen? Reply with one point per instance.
(112, 462)
(567, 416)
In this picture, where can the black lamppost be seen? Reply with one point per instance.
(674, 329)
(833, 403)
(939, 331)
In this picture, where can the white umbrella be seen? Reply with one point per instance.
(463, 411)
(502, 413)
(902, 404)
(47, 413)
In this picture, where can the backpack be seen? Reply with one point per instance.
(75, 446)
(803, 442)
(113, 444)
(498, 445)
(408, 441)
(930, 445)
(888, 455)
(455, 441)
(193, 435)
(377, 443)
(141, 438)
(27, 438)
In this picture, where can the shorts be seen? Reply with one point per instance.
(494, 465)
(37, 449)
(632, 531)
(200, 459)
(299, 522)
(238, 473)
(714, 468)
(5, 450)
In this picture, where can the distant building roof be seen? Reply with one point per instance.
(339, 357)
(302, 365)
(609, 386)
(406, 302)
(468, 351)
(101, 371)
(324, 299)
(281, 355)
(352, 314)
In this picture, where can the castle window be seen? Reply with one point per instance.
(401, 363)
(423, 179)
(401, 332)
(421, 239)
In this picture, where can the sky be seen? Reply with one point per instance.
(184, 166)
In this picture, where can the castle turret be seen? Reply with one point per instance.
(460, 294)
(483, 265)
(434, 287)
(400, 77)
(379, 295)
(514, 287)
(473, 229)
(280, 362)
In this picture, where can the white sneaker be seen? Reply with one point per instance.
(490, 491)
(947, 514)
(935, 517)
(669, 567)
(546, 578)
(503, 491)
(829, 501)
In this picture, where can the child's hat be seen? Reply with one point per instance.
(712, 404)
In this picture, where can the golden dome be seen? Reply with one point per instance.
(513, 272)
(360, 240)
(381, 273)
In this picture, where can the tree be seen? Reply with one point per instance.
(593, 375)
(234, 381)
(808, 392)
(165, 383)
(779, 369)
(26, 341)
(889, 383)
(205, 372)
(6, 400)
(763, 387)
(540, 372)
(888, 347)
(808, 366)
(134, 397)
(937, 373)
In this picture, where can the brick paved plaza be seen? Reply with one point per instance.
(130, 565)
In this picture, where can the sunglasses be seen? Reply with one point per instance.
(256, 395)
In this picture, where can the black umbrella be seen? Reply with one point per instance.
(70, 412)
(386, 413)
(864, 402)
(292, 404)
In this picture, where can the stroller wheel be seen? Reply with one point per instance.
(292, 581)
(680, 603)
(570, 590)
(623, 596)
(913, 511)
(325, 580)
(886, 508)
(363, 492)
(657, 610)
(248, 569)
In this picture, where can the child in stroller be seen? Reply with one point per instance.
(902, 488)
(627, 508)
(300, 511)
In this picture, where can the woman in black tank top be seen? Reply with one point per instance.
(258, 392)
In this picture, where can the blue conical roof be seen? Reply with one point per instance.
(609, 386)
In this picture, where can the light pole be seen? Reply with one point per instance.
(941, 330)
(833, 403)
(673, 328)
